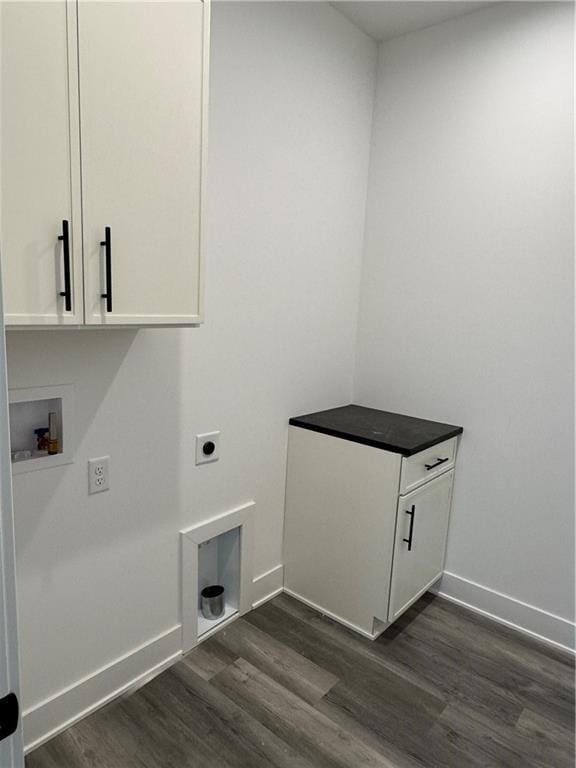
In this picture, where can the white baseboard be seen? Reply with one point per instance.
(523, 617)
(267, 585)
(51, 716)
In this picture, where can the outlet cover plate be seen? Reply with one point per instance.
(207, 447)
(98, 475)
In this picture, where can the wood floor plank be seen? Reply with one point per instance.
(482, 739)
(476, 636)
(289, 668)
(158, 736)
(392, 732)
(483, 661)
(107, 739)
(519, 669)
(323, 742)
(365, 731)
(535, 723)
(238, 739)
(67, 749)
(351, 641)
(357, 671)
(450, 673)
(446, 672)
(543, 736)
(141, 729)
(209, 658)
(539, 655)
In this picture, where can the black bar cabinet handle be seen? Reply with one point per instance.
(437, 464)
(9, 714)
(67, 292)
(411, 531)
(107, 243)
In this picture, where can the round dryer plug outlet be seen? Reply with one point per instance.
(207, 447)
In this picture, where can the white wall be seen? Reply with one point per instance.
(466, 304)
(290, 117)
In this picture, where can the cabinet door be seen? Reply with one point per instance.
(38, 142)
(142, 95)
(420, 542)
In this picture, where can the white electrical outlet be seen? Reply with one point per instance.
(207, 447)
(98, 475)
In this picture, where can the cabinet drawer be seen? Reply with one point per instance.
(427, 464)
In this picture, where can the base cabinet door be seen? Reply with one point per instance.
(420, 542)
(40, 227)
(142, 77)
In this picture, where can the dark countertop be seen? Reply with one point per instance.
(379, 429)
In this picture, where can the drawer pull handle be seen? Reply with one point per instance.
(411, 531)
(433, 466)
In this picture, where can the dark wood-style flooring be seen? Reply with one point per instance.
(289, 688)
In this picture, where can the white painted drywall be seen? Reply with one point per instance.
(466, 304)
(290, 118)
(392, 18)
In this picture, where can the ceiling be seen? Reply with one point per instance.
(384, 20)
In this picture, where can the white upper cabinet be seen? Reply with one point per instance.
(141, 85)
(37, 148)
(111, 124)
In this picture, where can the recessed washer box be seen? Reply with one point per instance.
(29, 409)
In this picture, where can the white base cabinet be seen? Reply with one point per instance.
(354, 547)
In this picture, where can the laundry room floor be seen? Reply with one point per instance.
(287, 687)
